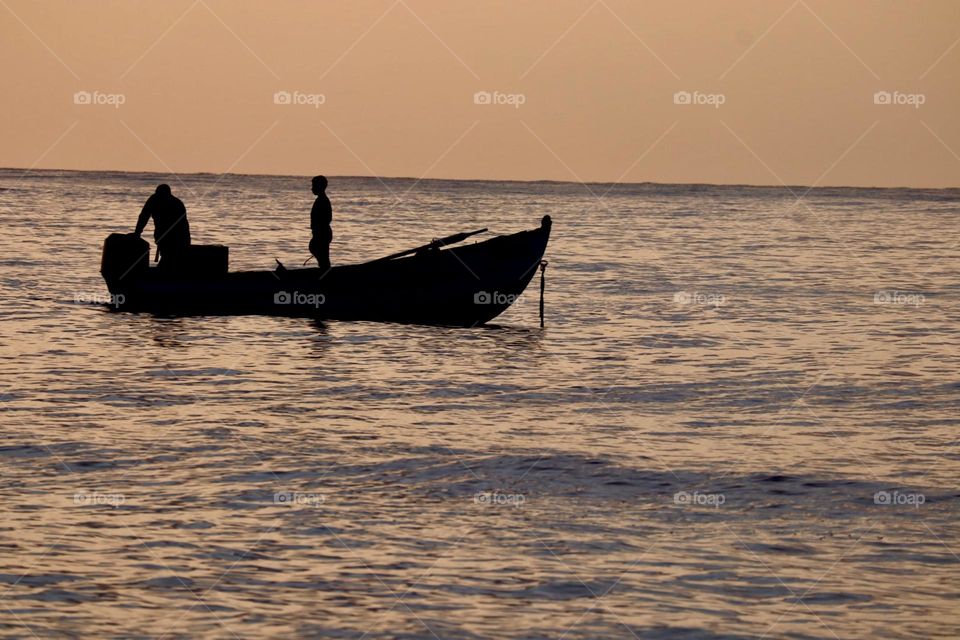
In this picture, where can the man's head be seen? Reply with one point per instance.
(163, 190)
(319, 185)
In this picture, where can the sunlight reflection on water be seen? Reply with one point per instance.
(725, 428)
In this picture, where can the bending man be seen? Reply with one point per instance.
(171, 231)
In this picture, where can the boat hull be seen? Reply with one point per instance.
(463, 286)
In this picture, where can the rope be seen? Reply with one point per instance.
(543, 284)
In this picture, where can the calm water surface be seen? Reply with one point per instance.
(741, 421)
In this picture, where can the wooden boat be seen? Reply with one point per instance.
(437, 284)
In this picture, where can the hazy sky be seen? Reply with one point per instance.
(786, 89)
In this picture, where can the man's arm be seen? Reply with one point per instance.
(143, 219)
(315, 216)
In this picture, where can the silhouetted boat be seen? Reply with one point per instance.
(465, 285)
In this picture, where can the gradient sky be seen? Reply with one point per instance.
(797, 80)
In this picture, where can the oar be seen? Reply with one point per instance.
(442, 242)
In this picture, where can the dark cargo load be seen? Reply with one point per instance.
(208, 259)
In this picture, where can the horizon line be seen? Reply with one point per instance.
(585, 183)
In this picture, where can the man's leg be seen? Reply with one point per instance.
(171, 257)
(320, 248)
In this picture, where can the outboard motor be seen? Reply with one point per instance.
(126, 258)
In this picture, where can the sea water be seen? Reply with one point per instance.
(741, 420)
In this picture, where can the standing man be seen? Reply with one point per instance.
(171, 231)
(321, 216)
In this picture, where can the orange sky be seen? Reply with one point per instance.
(786, 89)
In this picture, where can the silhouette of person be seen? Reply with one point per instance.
(321, 216)
(171, 231)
